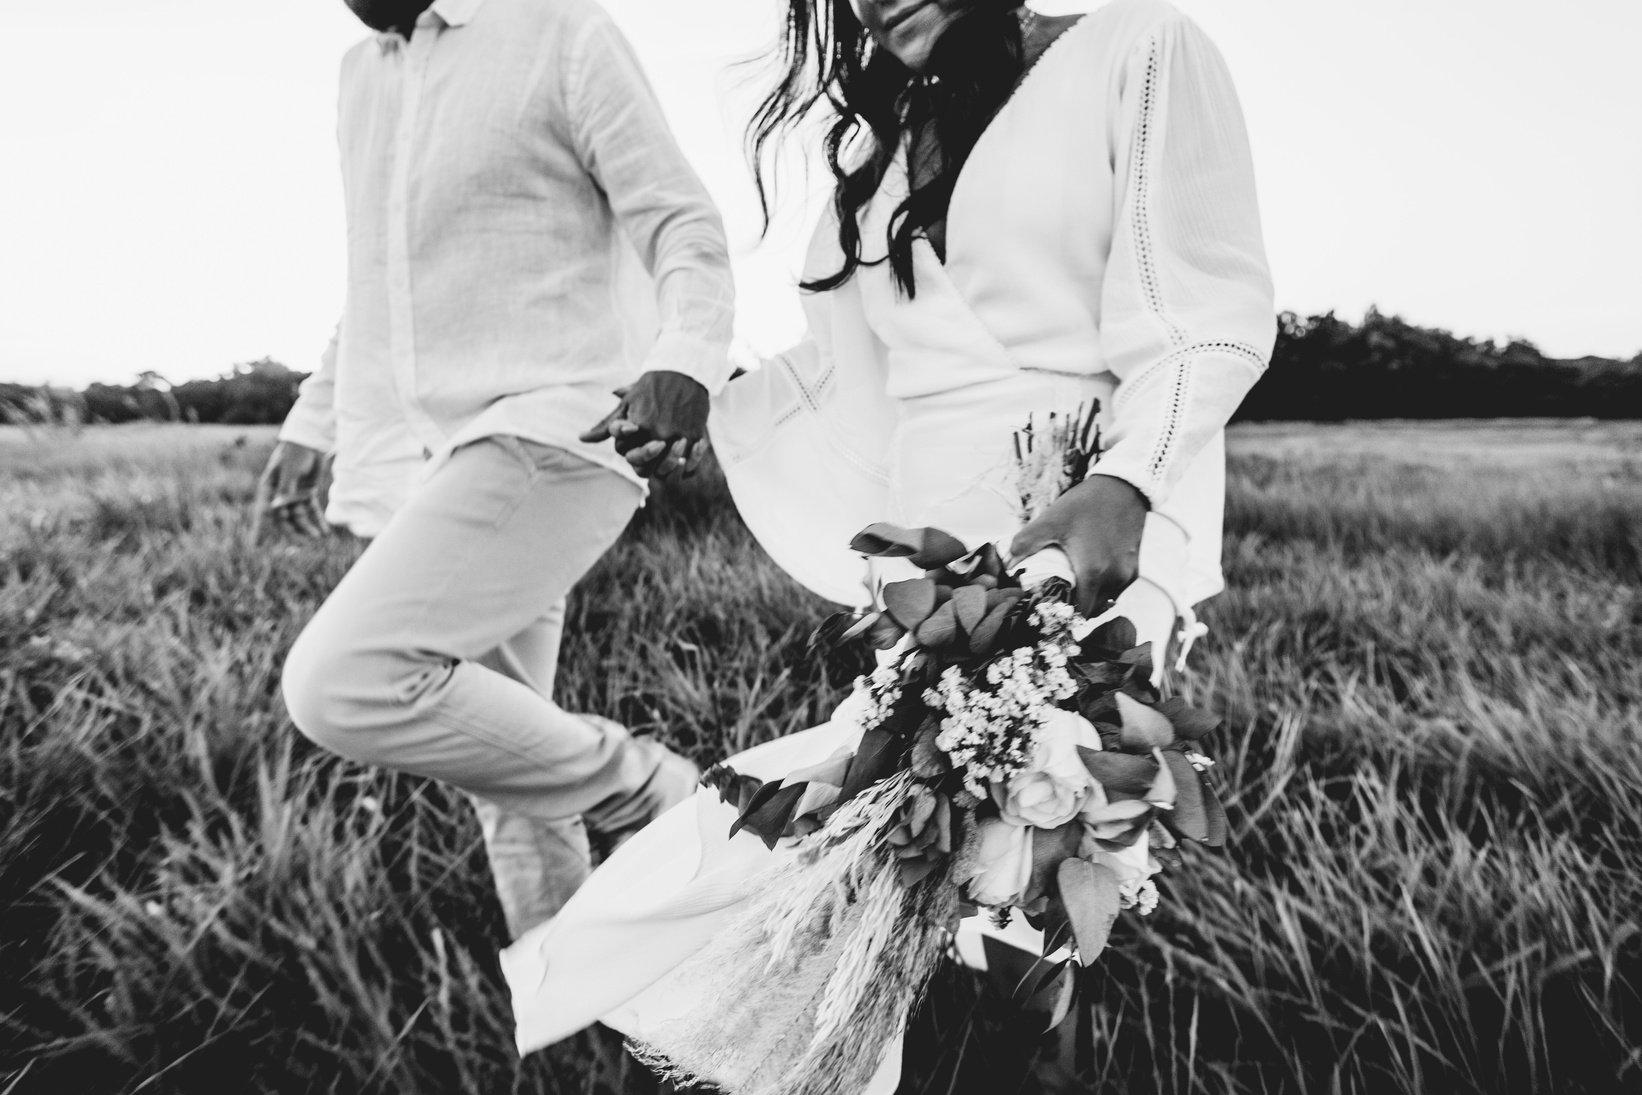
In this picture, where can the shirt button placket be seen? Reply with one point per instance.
(401, 310)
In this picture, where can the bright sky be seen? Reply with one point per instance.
(169, 197)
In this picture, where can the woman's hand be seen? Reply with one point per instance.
(1098, 524)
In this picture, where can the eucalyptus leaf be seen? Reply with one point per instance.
(984, 635)
(1144, 729)
(1214, 817)
(969, 604)
(910, 602)
(925, 547)
(1189, 817)
(1054, 998)
(1090, 893)
(940, 630)
(1190, 723)
(884, 632)
(1123, 775)
(1050, 847)
(1111, 638)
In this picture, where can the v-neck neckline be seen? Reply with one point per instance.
(1026, 78)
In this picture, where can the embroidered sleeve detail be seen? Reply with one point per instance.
(1161, 368)
(1174, 412)
(1142, 160)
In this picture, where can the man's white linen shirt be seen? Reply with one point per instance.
(500, 168)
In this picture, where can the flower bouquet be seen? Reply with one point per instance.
(1012, 760)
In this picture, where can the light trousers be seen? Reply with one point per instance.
(434, 654)
(536, 864)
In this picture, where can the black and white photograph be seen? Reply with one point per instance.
(821, 547)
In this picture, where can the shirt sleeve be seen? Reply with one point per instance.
(1187, 318)
(311, 421)
(622, 138)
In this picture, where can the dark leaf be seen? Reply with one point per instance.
(988, 563)
(1190, 723)
(876, 758)
(1163, 847)
(1111, 639)
(1138, 656)
(910, 602)
(1214, 817)
(940, 630)
(914, 871)
(1056, 929)
(1053, 999)
(969, 605)
(884, 632)
(984, 635)
(770, 812)
(1090, 893)
(1105, 675)
(1099, 707)
(1049, 848)
(838, 628)
(734, 788)
(862, 626)
(1017, 974)
(925, 547)
(1123, 775)
(1144, 729)
(1008, 597)
(1189, 818)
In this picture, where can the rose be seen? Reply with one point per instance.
(998, 864)
(1133, 864)
(1056, 784)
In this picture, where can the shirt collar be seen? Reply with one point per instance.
(453, 13)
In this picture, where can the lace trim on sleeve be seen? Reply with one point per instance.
(1180, 366)
(1163, 365)
(1142, 159)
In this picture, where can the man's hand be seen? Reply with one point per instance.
(660, 425)
(1098, 524)
(288, 492)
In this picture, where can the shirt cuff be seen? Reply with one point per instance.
(309, 431)
(704, 360)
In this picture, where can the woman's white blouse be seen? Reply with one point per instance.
(1104, 227)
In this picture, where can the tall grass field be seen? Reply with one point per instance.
(1429, 662)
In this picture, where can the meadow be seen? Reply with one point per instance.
(1429, 663)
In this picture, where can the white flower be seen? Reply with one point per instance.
(1132, 865)
(1000, 864)
(1056, 783)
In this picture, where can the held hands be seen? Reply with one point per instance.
(660, 425)
(1098, 525)
(288, 492)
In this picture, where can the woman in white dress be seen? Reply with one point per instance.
(1032, 214)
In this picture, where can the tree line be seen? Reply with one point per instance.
(1323, 369)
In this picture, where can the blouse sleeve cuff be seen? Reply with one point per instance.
(1123, 462)
(310, 430)
(704, 360)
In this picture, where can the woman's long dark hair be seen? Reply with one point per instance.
(831, 67)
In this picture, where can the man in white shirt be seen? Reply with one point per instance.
(499, 158)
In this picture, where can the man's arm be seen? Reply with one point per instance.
(287, 491)
(621, 136)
